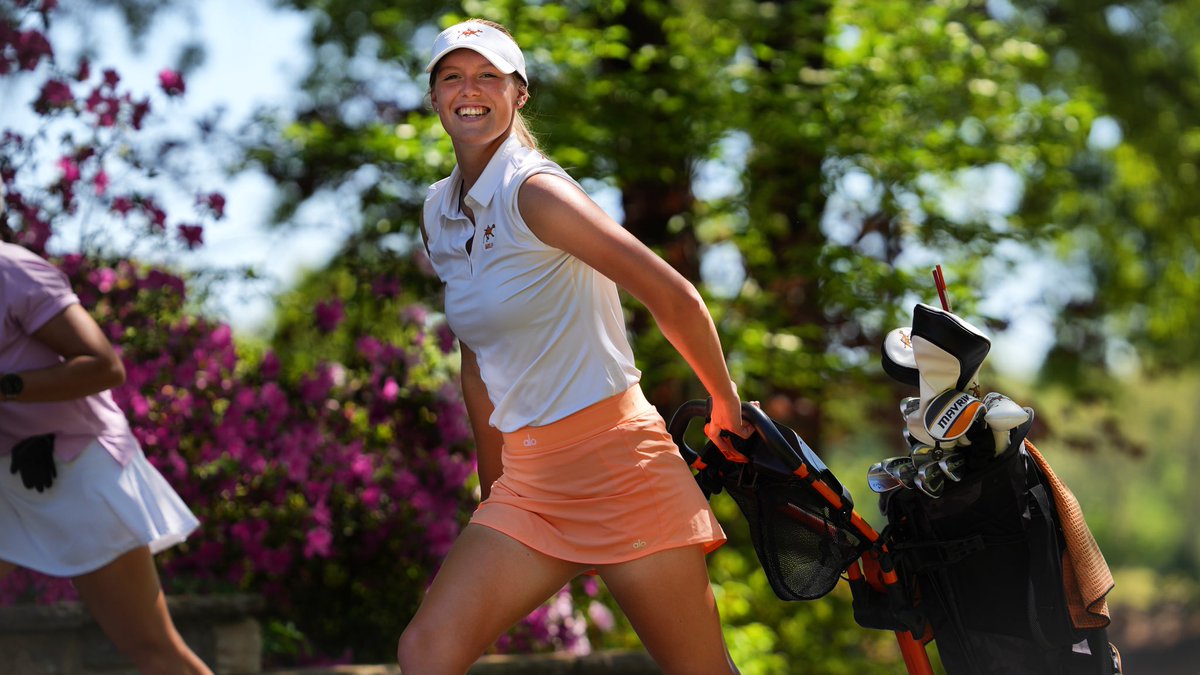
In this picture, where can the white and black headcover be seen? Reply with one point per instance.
(948, 353)
(948, 350)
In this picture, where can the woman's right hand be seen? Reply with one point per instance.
(726, 416)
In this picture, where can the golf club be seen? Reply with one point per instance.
(930, 479)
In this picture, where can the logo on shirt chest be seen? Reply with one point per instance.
(489, 236)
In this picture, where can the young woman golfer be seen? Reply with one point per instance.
(577, 470)
(78, 498)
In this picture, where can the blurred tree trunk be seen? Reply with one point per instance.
(784, 174)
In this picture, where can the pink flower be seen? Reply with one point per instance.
(387, 287)
(416, 314)
(371, 497)
(157, 216)
(221, 337)
(69, 168)
(215, 202)
(329, 315)
(171, 81)
(32, 47)
(122, 205)
(369, 347)
(445, 337)
(318, 542)
(362, 467)
(590, 586)
(321, 514)
(101, 183)
(105, 279)
(55, 95)
(192, 235)
(439, 537)
(601, 616)
(270, 366)
(140, 110)
(111, 78)
(390, 390)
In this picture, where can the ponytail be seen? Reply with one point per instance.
(522, 132)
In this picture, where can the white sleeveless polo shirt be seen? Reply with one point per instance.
(548, 330)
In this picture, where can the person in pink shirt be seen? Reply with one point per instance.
(79, 499)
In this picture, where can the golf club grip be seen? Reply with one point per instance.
(679, 425)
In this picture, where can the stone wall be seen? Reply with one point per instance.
(223, 630)
(601, 663)
(63, 639)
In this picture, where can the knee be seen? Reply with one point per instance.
(414, 650)
(424, 650)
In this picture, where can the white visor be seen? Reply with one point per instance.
(493, 44)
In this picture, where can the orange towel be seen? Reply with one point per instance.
(1086, 576)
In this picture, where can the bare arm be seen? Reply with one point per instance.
(90, 364)
(564, 217)
(488, 439)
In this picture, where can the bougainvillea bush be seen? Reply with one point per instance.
(330, 478)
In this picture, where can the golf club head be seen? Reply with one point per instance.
(923, 454)
(931, 480)
(897, 357)
(952, 465)
(908, 406)
(1002, 413)
(950, 414)
(880, 480)
(902, 469)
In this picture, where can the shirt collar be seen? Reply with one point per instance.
(489, 181)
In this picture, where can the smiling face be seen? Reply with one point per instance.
(475, 102)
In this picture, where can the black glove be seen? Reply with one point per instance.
(34, 458)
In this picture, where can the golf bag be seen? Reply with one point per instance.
(984, 555)
(986, 560)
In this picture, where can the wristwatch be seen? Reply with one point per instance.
(11, 386)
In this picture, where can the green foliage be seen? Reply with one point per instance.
(926, 104)
(1132, 470)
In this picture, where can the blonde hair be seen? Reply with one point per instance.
(519, 125)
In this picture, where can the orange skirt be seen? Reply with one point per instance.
(601, 486)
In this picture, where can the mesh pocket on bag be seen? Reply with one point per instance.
(802, 543)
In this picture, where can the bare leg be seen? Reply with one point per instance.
(669, 601)
(488, 582)
(126, 599)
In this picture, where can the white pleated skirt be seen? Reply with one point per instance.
(96, 511)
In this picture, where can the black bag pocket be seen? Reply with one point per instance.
(987, 561)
